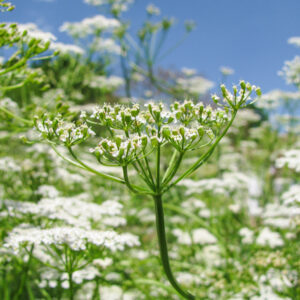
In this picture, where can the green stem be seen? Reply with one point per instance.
(126, 75)
(126, 178)
(9, 113)
(173, 171)
(163, 248)
(24, 276)
(71, 288)
(113, 178)
(204, 157)
(171, 166)
(158, 169)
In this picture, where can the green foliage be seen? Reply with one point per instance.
(83, 182)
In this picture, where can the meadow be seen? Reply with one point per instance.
(126, 181)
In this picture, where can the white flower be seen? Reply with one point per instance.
(89, 25)
(182, 237)
(226, 71)
(153, 10)
(106, 45)
(103, 263)
(272, 99)
(188, 72)
(106, 82)
(292, 195)
(8, 164)
(88, 273)
(34, 32)
(75, 238)
(269, 238)
(247, 235)
(112, 292)
(278, 222)
(291, 159)
(202, 236)
(195, 85)
(66, 48)
(47, 191)
(119, 5)
(291, 71)
(187, 278)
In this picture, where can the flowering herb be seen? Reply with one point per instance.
(138, 137)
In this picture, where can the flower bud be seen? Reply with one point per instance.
(144, 140)
(166, 132)
(242, 84)
(154, 141)
(248, 87)
(215, 98)
(200, 130)
(182, 131)
(224, 90)
(258, 91)
(118, 141)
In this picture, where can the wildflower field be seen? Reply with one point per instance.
(121, 180)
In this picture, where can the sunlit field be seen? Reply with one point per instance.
(121, 179)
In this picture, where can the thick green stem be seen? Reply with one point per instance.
(71, 288)
(163, 248)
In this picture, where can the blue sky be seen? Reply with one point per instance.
(249, 36)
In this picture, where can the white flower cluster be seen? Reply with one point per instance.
(75, 238)
(117, 6)
(183, 138)
(226, 71)
(47, 191)
(188, 71)
(291, 71)
(106, 45)
(33, 32)
(89, 26)
(246, 117)
(197, 85)
(247, 235)
(199, 236)
(153, 10)
(239, 98)
(292, 195)
(271, 100)
(109, 83)
(73, 211)
(291, 159)
(8, 164)
(68, 133)
(66, 48)
(184, 126)
(120, 151)
(269, 238)
(9, 104)
(229, 183)
(51, 278)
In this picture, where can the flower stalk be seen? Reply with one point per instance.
(142, 134)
